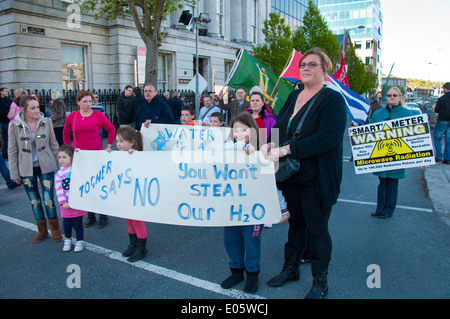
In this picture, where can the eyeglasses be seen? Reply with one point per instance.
(310, 65)
(392, 95)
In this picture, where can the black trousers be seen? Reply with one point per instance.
(308, 221)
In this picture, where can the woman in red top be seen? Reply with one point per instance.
(84, 125)
(263, 118)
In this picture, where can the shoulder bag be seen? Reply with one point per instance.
(287, 165)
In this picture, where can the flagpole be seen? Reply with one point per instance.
(229, 74)
(276, 84)
(383, 97)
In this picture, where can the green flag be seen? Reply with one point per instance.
(249, 72)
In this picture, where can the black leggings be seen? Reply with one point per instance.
(307, 219)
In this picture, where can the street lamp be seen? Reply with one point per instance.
(202, 20)
(346, 31)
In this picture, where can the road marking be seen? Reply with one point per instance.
(172, 274)
(427, 210)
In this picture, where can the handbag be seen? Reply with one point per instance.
(287, 165)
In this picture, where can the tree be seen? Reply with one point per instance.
(315, 33)
(278, 43)
(147, 16)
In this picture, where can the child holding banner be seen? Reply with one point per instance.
(243, 243)
(72, 218)
(130, 140)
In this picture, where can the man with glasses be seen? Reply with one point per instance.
(443, 126)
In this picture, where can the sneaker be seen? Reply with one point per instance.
(268, 226)
(67, 245)
(79, 246)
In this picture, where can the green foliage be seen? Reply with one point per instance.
(278, 45)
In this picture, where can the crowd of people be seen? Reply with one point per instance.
(40, 150)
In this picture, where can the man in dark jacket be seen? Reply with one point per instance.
(123, 106)
(5, 102)
(175, 105)
(442, 126)
(153, 110)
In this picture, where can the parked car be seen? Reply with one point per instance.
(413, 107)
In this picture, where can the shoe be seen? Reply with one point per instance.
(383, 216)
(291, 267)
(319, 289)
(54, 228)
(67, 245)
(14, 185)
(131, 247)
(375, 214)
(237, 275)
(446, 162)
(251, 285)
(90, 220)
(42, 231)
(79, 246)
(268, 225)
(102, 221)
(438, 160)
(140, 251)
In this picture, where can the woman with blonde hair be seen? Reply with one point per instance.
(387, 191)
(311, 193)
(57, 115)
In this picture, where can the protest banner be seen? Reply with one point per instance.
(393, 144)
(167, 137)
(151, 186)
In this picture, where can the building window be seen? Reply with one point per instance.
(254, 21)
(358, 45)
(162, 72)
(369, 44)
(369, 61)
(227, 70)
(220, 12)
(73, 67)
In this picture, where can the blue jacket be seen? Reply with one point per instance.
(157, 110)
(384, 115)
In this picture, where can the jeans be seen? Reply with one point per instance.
(243, 246)
(30, 184)
(442, 128)
(5, 173)
(387, 196)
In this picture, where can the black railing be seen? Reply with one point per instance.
(108, 98)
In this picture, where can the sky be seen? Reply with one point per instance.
(414, 35)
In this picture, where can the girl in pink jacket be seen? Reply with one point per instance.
(72, 218)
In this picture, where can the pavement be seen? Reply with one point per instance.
(437, 179)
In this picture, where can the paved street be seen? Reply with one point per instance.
(411, 250)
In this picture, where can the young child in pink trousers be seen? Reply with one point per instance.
(72, 218)
(130, 140)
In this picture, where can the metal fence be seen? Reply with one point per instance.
(107, 97)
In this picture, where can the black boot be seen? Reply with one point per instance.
(90, 220)
(251, 285)
(140, 251)
(319, 270)
(237, 275)
(102, 221)
(290, 271)
(132, 247)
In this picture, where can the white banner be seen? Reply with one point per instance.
(189, 188)
(166, 137)
(393, 144)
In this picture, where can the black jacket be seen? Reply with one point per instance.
(320, 147)
(157, 110)
(123, 109)
(440, 107)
